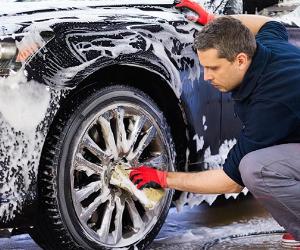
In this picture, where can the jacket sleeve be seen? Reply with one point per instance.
(267, 123)
(271, 31)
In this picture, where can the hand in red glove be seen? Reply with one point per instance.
(203, 16)
(145, 177)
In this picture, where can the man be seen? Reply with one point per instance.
(250, 57)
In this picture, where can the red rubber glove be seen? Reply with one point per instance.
(145, 177)
(203, 16)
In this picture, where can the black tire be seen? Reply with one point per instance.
(64, 222)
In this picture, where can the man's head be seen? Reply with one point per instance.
(225, 49)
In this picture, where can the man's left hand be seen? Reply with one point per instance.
(204, 16)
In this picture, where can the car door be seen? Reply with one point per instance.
(230, 123)
(203, 110)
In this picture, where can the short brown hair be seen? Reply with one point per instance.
(228, 35)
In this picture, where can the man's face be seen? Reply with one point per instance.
(223, 74)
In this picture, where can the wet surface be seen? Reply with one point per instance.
(18, 242)
(264, 241)
(202, 227)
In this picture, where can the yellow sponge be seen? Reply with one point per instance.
(149, 197)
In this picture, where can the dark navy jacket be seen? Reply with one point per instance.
(268, 100)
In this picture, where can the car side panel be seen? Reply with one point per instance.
(79, 49)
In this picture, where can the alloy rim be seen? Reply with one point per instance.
(118, 134)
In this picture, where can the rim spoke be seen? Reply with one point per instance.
(135, 131)
(122, 144)
(136, 219)
(108, 136)
(88, 212)
(120, 205)
(147, 138)
(88, 190)
(151, 214)
(121, 133)
(88, 142)
(103, 231)
(157, 161)
(88, 167)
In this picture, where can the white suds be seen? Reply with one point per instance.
(292, 17)
(203, 122)
(199, 142)
(24, 107)
(216, 161)
(288, 2)
(210, 162)
(23, 104)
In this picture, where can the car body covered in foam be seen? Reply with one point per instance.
(54, 53)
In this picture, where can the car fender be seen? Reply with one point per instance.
(79, 49)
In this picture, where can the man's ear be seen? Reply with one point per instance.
(242, 61)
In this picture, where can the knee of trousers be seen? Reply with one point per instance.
(250, 170)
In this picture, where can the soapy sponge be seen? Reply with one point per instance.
(149, 197)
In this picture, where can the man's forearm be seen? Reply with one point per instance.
(253, 22)
(205, 182)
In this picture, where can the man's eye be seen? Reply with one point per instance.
(212, 68)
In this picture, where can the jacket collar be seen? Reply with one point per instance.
(257, 66)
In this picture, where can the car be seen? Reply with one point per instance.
(88, 85)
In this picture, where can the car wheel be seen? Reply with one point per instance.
(98, 129)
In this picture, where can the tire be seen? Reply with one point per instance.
(96, 130)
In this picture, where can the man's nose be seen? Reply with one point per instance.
(207, 75)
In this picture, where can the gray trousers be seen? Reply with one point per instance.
(272, 175)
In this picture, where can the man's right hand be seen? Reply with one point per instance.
(203, 16)
(146, 177)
